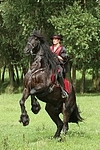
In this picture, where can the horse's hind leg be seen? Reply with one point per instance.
(24, 118)
(68, 108)
(65, 119)
(35, 105)
(54, 114)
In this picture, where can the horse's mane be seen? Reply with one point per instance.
(50, 59)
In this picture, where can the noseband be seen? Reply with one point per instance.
(34, 47)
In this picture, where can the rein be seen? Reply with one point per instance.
(31, 50)
(40, 69)
(33, 47)
(46, 91)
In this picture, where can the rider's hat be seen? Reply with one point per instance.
(57, 36)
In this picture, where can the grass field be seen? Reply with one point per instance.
(37, 135)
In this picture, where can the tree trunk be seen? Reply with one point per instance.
(11, 76)
(24, 71)
(74, 76)
(96, 80)
(3, 74)
(17, 79)
(82, 86)
(0, 74)
(68, 75)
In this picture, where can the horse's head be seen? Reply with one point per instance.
(38, 46)
(33, 44)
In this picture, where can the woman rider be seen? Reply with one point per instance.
(60, 51)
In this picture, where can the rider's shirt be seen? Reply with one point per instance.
(61, 51)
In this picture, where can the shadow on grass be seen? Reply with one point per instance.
(18, 88)
(79, 134)
(3, 86)
(6, 88)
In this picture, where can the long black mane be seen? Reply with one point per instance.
(50, 60)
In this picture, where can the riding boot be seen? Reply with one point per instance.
(61, 82)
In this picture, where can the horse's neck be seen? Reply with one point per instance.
(36, 62)
(38, 54)
(35, 65)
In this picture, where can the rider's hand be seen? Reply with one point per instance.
(60, 58)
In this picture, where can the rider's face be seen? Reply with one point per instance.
(56, 41)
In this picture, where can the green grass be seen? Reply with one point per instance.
(37, 135)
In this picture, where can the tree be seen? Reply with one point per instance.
(80, 31)
(79, 23)
(10, 33)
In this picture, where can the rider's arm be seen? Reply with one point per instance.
(63, 55)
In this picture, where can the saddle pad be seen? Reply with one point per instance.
(53, 78)
(67, 85)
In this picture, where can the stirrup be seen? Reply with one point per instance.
(51, 88)
(32, 91)
(64, 94)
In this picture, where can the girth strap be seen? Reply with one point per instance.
(45, 92)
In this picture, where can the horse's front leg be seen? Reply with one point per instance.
(35, 106)
(24, 118)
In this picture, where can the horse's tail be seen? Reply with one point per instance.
(75, 116)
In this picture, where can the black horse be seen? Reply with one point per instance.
(41, 82)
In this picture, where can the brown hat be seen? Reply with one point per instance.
(56, 36)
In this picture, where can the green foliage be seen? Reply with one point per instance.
(80, 30)
(77, 21)
(18, 19)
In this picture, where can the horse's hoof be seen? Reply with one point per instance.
(20, 121)
(25, 123)
(58, 138)
(36, 109)
(24, 119)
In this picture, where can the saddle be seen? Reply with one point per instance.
(67, 84)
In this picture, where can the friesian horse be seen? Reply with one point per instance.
(40, 82)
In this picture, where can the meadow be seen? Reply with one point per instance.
(38, 134)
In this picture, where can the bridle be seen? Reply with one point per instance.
(33, 47)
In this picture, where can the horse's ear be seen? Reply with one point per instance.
(34, 30)
(40, 31)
